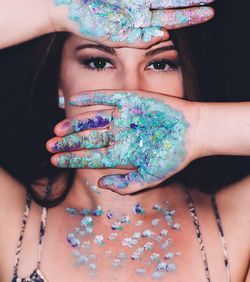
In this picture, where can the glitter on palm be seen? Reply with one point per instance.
(127, 20)
(150, 135)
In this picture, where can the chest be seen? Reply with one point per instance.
(185, 253)
(123, 260)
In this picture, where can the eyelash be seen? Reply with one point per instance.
(173, 65)
(86, 63)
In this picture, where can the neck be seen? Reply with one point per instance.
(85, 193)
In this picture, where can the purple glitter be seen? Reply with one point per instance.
(138, 209)
(96, 122)
(74, 242)
(109, 214)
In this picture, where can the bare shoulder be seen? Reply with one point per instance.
(12, 204)
(234, 200)
(12, 194)
(234, 207)
(233, 203)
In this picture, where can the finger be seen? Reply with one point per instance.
(121, 181)
(93, 159)
(93, 140)
(139, 38)
(96, 98)
(83, 122)
(125, 184)
(172, 19)
(115, 98)
(108, 97)
(168, 4)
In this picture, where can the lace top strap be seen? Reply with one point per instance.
(198, 233)
(41, 234)
(221, 232)
(20, 239)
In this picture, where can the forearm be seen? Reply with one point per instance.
(23, 20)
(224, 128)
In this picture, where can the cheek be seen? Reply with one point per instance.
(75, 78)
(170, 83)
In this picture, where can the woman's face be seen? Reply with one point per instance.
(90, 66)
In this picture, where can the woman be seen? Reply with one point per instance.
(138, 236)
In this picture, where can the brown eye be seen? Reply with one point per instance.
(97, 63)
(162, 65)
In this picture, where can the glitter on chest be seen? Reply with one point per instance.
(147, 247)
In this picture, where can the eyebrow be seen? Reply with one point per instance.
(160, 50)
(99, 47)
(112, 51)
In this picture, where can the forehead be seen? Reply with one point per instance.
(74, 41)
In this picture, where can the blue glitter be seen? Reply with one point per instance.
(149, 135)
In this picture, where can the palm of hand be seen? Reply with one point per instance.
(148, 135)
(118, 20)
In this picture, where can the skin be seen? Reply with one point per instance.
(233, 201)
(130, 21)
(58, 225)
(47, 17)
(145, 127)
(131, 73)
(125, 69)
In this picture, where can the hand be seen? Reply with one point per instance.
(129, 21)
(155, 137)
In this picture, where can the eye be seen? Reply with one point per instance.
(162, 65)
(97, 63)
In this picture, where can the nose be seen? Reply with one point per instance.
(131, 80)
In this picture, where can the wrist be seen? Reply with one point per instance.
(208, 130)
(224, 128)
(57, 16)
(194, 139)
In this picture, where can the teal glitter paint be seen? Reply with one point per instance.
(150, 135)
(119, 20)
(76, 125)
(74, 142)
(96, 18)
(181, 17)
(158, 4)
(127, 20)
